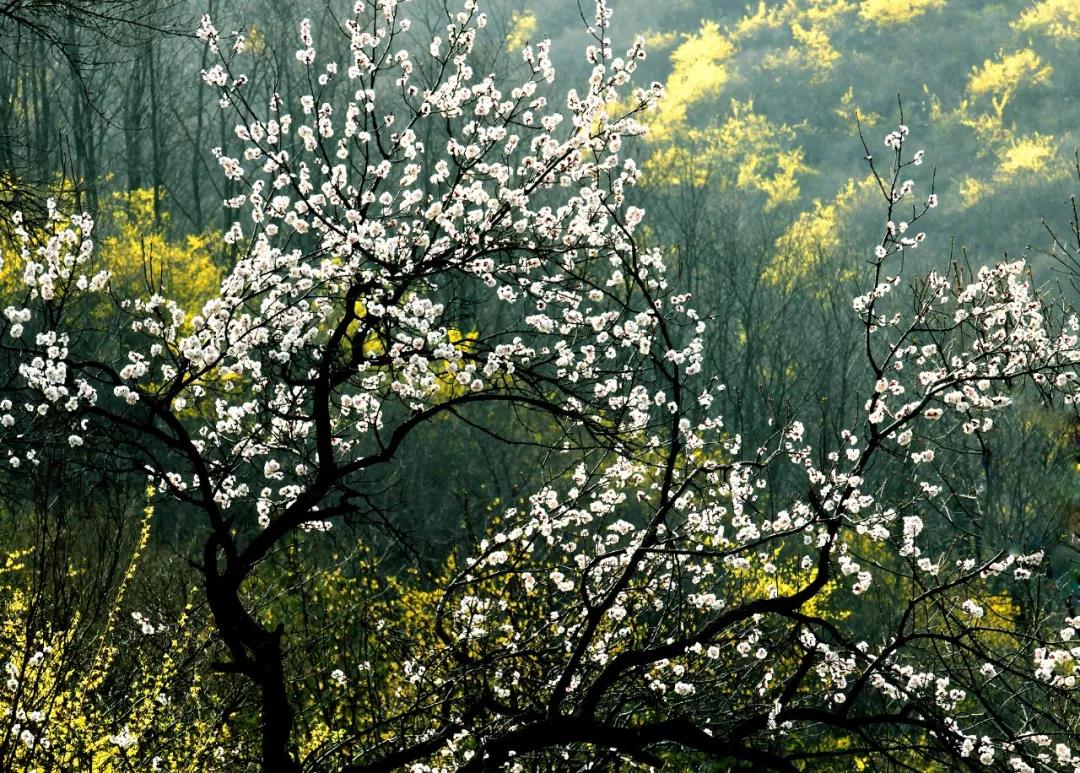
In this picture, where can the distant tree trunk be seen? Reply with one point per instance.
(42, 112)
(133, 125)
(156, 140)
(85, 161)
(95, 139)
(23, 90)
(10, 79)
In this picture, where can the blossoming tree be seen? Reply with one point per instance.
(419, 243)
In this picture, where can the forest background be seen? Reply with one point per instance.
(755, 183)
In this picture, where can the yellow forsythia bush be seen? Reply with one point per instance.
(122, 698)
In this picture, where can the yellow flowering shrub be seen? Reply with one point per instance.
(848, 110)
(815, 234)
(522, 30)
(1027, 156)
(360, 674)
(884, 12)
(121, 697)
(137, 251)
(811, 50)
(699, 69)
(1000, 79)
(1058, 19)
(746, 151)
(1008, 72)
(813, 43)
(814, 14)
(656, 41)
(766, 16)
(972, 191)
(828, 12)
